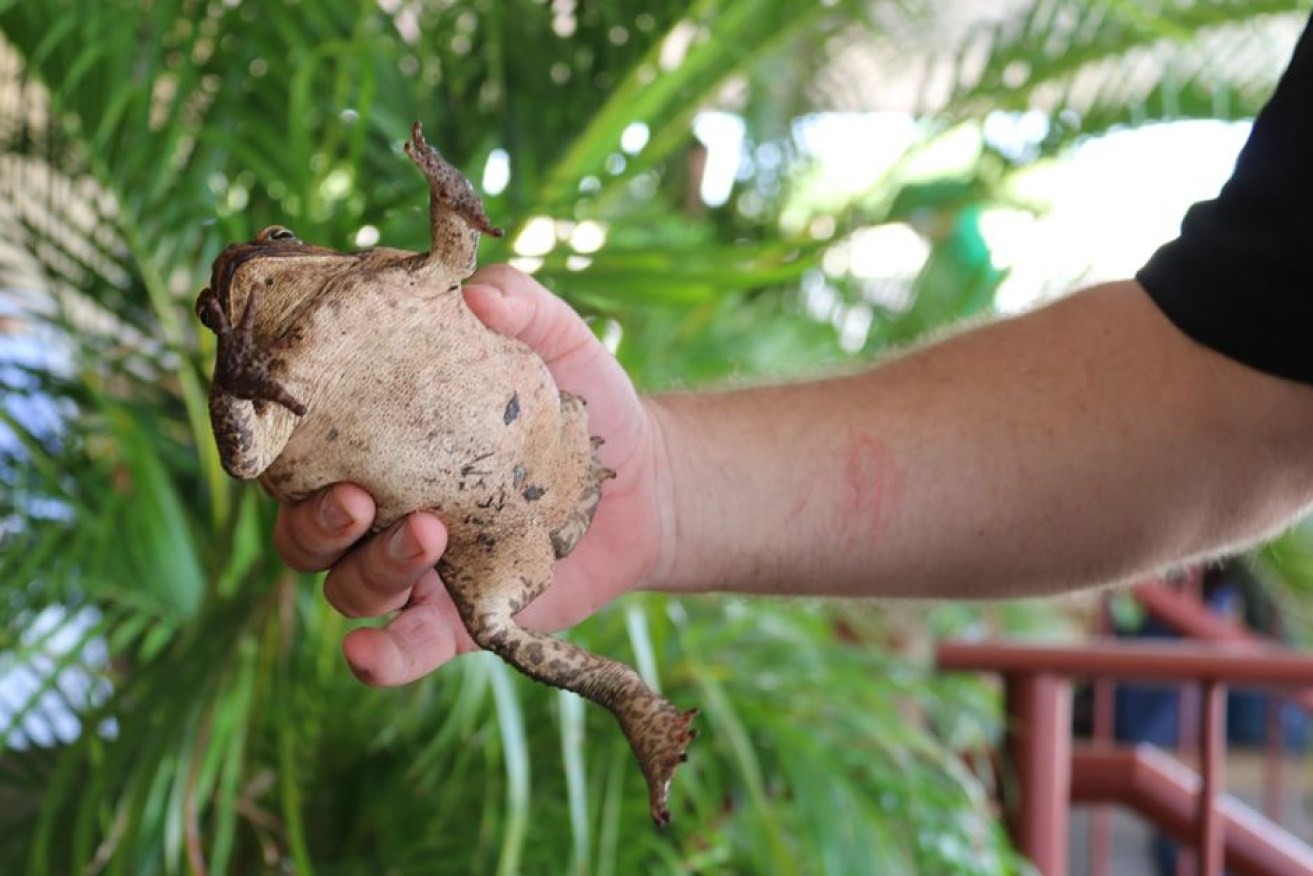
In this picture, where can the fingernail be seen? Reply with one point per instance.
(332, 516)
(402, 544)
(481, 291)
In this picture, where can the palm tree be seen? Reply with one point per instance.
(217, 730)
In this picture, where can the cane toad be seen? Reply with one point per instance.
(368, 367)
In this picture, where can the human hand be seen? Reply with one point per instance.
(392, 571)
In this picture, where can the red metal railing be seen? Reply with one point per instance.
(1189, 617)
(1049, 773)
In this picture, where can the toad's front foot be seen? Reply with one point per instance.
(242, 368)
(448, 185)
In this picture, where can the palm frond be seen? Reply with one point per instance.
(1094, 66)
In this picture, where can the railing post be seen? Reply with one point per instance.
(1212, 756)
(1103, 738)
(1190, 705)
(1039, 751)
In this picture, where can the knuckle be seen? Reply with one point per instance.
(367, 583)
(338, 597)
(290, 544)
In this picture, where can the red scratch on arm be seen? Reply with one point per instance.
(800, 504)
(868, 479)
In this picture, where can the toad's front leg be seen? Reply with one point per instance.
(456, 216)
(249, 438)
(491, 579)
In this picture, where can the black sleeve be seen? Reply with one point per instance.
(1239, 279)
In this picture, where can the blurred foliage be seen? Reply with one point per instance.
(219, 730)
(1284, 568)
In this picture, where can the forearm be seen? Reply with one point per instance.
(1080, 444)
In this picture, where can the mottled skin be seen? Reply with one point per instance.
(368, 367)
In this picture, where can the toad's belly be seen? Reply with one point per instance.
(421, 441)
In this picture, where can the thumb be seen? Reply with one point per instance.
(514, 304)
(499, 312)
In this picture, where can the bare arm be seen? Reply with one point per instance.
(1080, 444)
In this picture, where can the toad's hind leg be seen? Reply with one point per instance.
(491, 581)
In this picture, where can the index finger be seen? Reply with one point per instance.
(312, 535)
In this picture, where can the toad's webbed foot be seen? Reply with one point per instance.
(241, 367)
